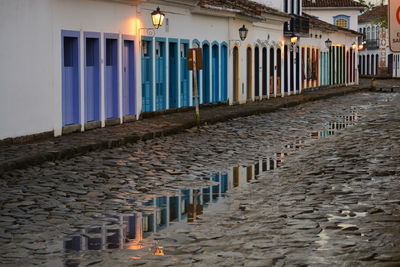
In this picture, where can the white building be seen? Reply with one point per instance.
(376, 58)
(81, 64)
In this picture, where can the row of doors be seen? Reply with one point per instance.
(71, 91)
(213, 79)
(257, 64)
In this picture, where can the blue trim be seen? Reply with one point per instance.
(147, 38)
(70, 97)
(184, 41)
(214, 43)
(111, 92)
(147, 76)
(224, 44)
(128, 37)
(195, 41)
(160, 39)
(347, 18)
(172, 40)
(111, 36)
(205, 42)
(129, 94)
(67, 33)
(91, 35)
(92, 78)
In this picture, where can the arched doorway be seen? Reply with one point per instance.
(249, 73)
(271, 71)
(285, 69)
(235, 75)
(206, 73)
(264, 71)
(215, 73)
(257, 71)
(278, 71)
(368, 65)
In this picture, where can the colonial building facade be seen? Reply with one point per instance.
(95, 63)
(375, 57)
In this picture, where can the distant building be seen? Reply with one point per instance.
(375, 57)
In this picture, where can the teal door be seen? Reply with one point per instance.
(184, 75)
(160, 75)
(215, 73)
(147, 75)
(173, 74)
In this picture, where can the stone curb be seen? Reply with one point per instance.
(254, 108)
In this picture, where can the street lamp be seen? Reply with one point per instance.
(157, 17)
(293, 40)
(243, 32)
(328, 43)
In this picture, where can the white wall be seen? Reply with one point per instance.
(30, 71)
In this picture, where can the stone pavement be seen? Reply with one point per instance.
(332, 201)
(16, 156)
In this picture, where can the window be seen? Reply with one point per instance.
(368, 33)
(342, 21)
(69, 46)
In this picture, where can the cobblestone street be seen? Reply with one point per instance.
(316, 184)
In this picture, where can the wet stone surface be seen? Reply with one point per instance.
(316, 184)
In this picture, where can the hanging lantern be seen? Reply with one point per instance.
(158, 18)
(243, 33)
(328, 43)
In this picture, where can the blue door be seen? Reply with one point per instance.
(128, 78)
(224, 73)
(70, 78)
(215, 73)
(160, 76)
(184, 75)
(206, 74)
(173, 74)
(147, 76)
(92, 77)
(111, 77)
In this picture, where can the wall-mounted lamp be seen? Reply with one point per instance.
(243, 33)
(157, 17)
(354, 46)
(328, 43)
(293, 40)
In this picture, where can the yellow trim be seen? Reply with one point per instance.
(237, 72)
(251, 70)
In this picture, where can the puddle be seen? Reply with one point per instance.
(133, 231)
(331, 128)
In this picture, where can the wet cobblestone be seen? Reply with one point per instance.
(334, 200)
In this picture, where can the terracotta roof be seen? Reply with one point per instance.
(332, 3)
(373, 14)
(243, 7)
(320, 24)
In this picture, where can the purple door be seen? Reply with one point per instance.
(92, 77)
(128, 79)
(111, 76)
(70, 78)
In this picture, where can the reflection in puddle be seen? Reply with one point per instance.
(130, 232)
(161, 212)
(333, 127)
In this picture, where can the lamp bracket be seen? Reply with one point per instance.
(147, 31)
